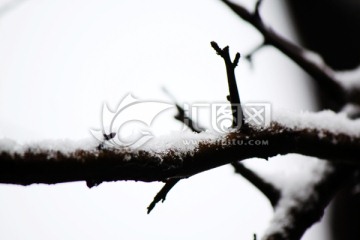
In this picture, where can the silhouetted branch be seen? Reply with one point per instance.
(257, 9)
(266, 188)
(322, 74)
(161, 195)
(48, 166)
(234, 94)
(298, 213)
(269, 190)
(300, 217)
(249, 56)
(182, 117)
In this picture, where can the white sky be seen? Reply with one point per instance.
(61, 59)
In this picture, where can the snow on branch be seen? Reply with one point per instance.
(334, 85)
(180, 157)
(303, 202)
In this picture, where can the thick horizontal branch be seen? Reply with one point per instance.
(48, 166)
(322, 74)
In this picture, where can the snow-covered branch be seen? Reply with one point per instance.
(333, 84)
(183, 156)
(301, 205)
(303, 202)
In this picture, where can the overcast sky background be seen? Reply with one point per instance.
(60, 60)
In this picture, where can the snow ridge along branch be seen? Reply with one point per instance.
(37, 165)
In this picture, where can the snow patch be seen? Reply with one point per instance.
(64, 146)
(181, 142)
(313, 57)
(348, 79)
(326, 120)
(297, 188)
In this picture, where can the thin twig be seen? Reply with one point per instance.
(238, 117)
(249, 56)
(161, 195)
(182, 117)
(270, 191)
(266, 188)
(257, 9)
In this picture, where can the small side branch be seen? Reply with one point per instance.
(322, 74)
(182, 117)
(257, 9)
(234, 93)
(161, 195)
(250, 55)
(269, 190)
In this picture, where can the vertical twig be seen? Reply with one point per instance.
(234, 98)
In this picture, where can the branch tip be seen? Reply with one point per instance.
(250, 55)
(272, 193)
(322, 74)
(161, 195)
(257, 9)
(181, 115)
(216, 47)
(238, 122)
(236, 59)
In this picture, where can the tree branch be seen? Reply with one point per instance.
(36, 165)
(266, 188)
(161, 195)
(322, 74)
(182, 117)
(233, 90)
(249, 56)
(269, 190)
(296, 213)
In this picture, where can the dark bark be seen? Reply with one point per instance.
(36, 166)
(331, 29)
